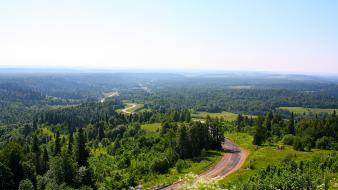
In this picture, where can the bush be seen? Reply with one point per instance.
(180, 165)
(288, 139)
(26, 185)
(324, 143)
(298, 144)
(160, 166)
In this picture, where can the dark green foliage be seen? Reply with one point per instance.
(26, 185)
(180, 165)
(63, 169)
(57, 144)
(291, 125)
(291, 175)
(325, 143)
(260, 134)
(184, 145)
(12, 156)
(160, 166)
(298, 144)
(6, 177)
(288, 139)
(70, 143)
(100, 134)
(82, 153)
(45, 160)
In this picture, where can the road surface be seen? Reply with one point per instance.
(232, 160)
(129, 107)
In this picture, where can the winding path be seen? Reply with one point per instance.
(130, 107)
(232, 160)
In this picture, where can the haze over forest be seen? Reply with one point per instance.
(168, 95)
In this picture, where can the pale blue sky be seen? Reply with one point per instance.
(264, 35)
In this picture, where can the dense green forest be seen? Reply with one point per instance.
(60, 131)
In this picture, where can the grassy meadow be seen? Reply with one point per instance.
(228, 116)
(302, 110)
(129, 107)
(151, 127)
(260, 157)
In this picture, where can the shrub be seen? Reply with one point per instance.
(324, 143)
(288, 139)
(26, 185)
(159, 166)
(180, 165)
(298, 144)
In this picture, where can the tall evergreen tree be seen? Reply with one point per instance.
(35, 145)
(291, 125)
(82, 153)
(100, 134)
(57, 146)
(196, 138)
(70, 143)
(260, 134)
(45, 159)
(184, 148)
(36, 151)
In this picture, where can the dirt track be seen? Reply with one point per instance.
(130, 106)
(232, 160)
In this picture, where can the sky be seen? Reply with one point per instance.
(231, 35)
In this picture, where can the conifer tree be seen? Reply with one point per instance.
(57, 146)
(82, 153)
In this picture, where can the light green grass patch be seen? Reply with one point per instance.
(131, 108)
(302, 110)
(228, 116)
(260, 157)
(195, 166)
(151, 127)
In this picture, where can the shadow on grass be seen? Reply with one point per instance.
(207, 156)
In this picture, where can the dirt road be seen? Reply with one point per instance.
(232, 160)
(129, 107)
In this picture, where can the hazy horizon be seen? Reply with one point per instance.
(223, 36)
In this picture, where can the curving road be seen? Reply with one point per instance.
(232, 160)
(130, 107)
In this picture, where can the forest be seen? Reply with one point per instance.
(56, 131)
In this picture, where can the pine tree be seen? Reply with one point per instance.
(35, 145)
(260, 134)
(45, 159)
(57, 146)
(70, 143)
(196, 138)
(100, 134)
(36, 151)
(291, 125)
(267, 121)
(81, 153)
(35, 125)
(184, 148)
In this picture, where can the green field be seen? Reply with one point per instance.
(131, 107)
(226, 115)
(194, 166)
(151, 127)
(260, 157)
(302, 110)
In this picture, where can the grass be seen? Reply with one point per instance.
(302, 110)
(260, 157)
(229, 116)
(152, 127)
(136, 108)
(195, 166)
(130, 107)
